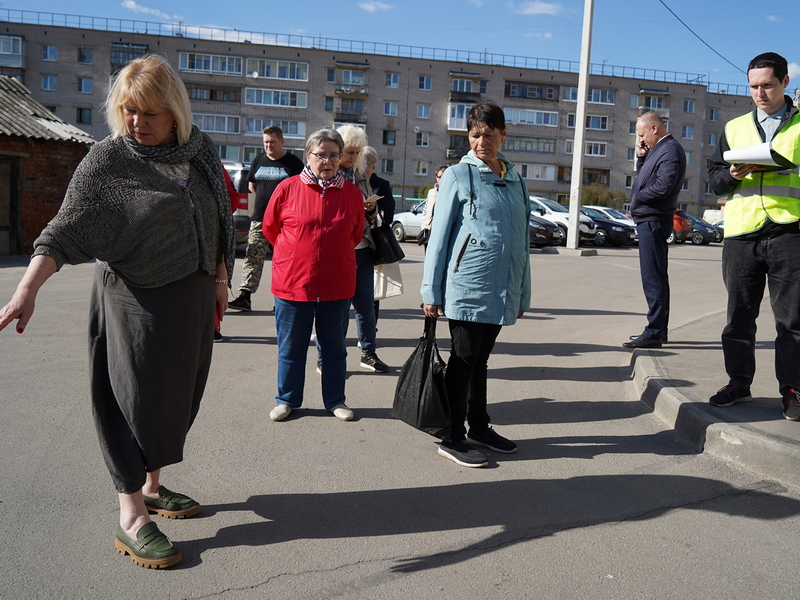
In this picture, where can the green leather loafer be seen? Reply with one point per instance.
(151, 548)
(171, 504)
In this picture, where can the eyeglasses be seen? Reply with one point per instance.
(322, 157)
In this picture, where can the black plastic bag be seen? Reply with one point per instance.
(423, 236)
(387, 249)
(421, 397)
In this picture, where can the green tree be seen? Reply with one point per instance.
(600, 195)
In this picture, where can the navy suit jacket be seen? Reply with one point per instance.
(661, 175)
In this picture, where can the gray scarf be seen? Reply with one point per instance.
(197, 152)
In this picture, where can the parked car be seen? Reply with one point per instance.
(544, 233)
(408, 223)
(617, 216)
(559, 214)
(608, 231)
(704, 232)
(238, 173)
(681, 228)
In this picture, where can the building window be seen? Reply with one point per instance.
(275, 97)
(589, 148)
(532, 117)
(458, 116)
(392, 80)
(634, 101)
(423, 111)
(654, 102)
(389, 137)
(216, 123)
(331, 77)
(353, 106)
(277, 69)
(84, 116)
(50, 53)
(712, 139)
(628, 181)
(329, 103)
(687, 132)
(50, 83)
(685, 186)
(228, 152)
(423, 139)
(524, 90)
(571, 94)
(353, 77)
(520, 144)
(632, 127)
(708, 189)
(421, 167)
(602, 96)
(85, 85)
(688, 158)
(390, 109)
(483, 87)
(387, 165)
(541, 172)
(10, 44)
(207, 91)
(86, 56)
(122, 53)
(688, 106)
(424, 83)
(210, 63)
(462, 85)
(254, 126)
(631, 153)
(598, 122)
(713, 114)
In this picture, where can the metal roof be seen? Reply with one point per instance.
(21, 115)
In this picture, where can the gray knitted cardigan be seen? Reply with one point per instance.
(139, 223)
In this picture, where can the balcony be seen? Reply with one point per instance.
(454, 153)
(349, 117)
(470, 97)
(351, 90)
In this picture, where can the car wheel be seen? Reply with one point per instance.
(563, 235)
(600, 238)
(399, 232)
(697, 238)
(671, 238)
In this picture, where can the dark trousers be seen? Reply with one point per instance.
(466, 375)
(653, 249)
(746, 267)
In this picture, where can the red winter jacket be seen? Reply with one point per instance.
(314, 234)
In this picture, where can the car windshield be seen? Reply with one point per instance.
(552, 205)
(615, 213)
(590, 212)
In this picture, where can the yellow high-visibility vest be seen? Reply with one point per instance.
(774, 195)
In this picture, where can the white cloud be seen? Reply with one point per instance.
(131, 5)
(374, 6)
(537, 8)
(772, 18)
(477, 2)
(542, 36)
(794, 72)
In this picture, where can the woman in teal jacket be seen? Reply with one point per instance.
(477, 274)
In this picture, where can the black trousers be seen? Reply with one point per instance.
(653, 249)
(467, 373)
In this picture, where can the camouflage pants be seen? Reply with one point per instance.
(253, 266)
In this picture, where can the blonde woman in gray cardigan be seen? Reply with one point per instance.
(150, 204)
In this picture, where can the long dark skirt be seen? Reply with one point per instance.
(149, 356)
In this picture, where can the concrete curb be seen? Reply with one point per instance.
(741, 444)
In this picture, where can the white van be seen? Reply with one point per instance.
(559, 214)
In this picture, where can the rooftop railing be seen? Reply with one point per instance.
(353, 46)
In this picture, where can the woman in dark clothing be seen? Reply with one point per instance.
(150, 204)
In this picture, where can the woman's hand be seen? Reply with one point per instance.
(434, 311)
(24, 299)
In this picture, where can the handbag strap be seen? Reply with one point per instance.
(430, 329)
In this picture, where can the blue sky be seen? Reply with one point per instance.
(639, 33)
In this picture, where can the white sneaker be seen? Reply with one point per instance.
(280, 412)
(343, 413)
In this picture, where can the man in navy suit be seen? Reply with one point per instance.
(661, 165)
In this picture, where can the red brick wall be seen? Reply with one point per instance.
(45, 174)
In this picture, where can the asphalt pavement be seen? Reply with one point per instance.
(627, 484)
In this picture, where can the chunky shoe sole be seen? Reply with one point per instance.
(148, 563)
(174, 514)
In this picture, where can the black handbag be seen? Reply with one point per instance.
(387, 249)
(423, 236)
(421, 396)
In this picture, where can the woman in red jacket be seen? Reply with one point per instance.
(314, 220)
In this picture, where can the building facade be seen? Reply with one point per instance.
(413, 106)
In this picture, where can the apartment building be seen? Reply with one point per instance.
(413, 102)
